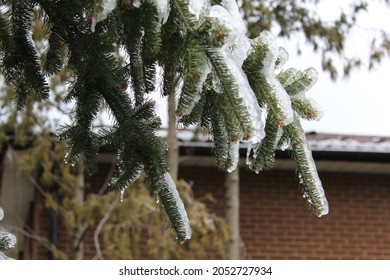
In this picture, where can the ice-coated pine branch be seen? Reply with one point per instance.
(225, 82)
(306, 171)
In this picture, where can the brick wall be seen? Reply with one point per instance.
(275, 220)
(276, 224)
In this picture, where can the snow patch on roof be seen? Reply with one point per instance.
(348, 143)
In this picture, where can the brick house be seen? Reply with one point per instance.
(274, 220)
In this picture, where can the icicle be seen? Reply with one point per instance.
(1, 213)
(235, 153)
(108, 6)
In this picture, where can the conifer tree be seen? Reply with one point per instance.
(234, 86)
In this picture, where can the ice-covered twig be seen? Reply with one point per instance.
(173, 207)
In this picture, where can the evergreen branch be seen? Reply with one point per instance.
(306, 169)
(5, 35)
(52, 56)
(265, 85)
(171, 56)
(230, 89)
(300, 82)
(201, 112)
(181, 7)
(82, 145)
(195, 74)
(132, 30)
(21, 63)
(306, 108)
(286, 77)
(221, 142)
(151, 43)
(263, 155)
(173, 208)
(129, 167)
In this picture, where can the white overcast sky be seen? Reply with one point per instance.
(361, 104)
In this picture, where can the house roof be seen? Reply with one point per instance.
(332, 152)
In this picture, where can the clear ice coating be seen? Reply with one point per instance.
(314, 192)
(247, 95)
(205, 70)
(282, 58)
(319, 192)
(198, 7)
(310, 76)
(8, 238)
(179, 206)
(108, 6)
(163, 10)
(283, 101)
(236, 41)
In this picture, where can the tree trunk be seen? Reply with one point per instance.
(173, 150)
(232, 214)
(77, 249)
